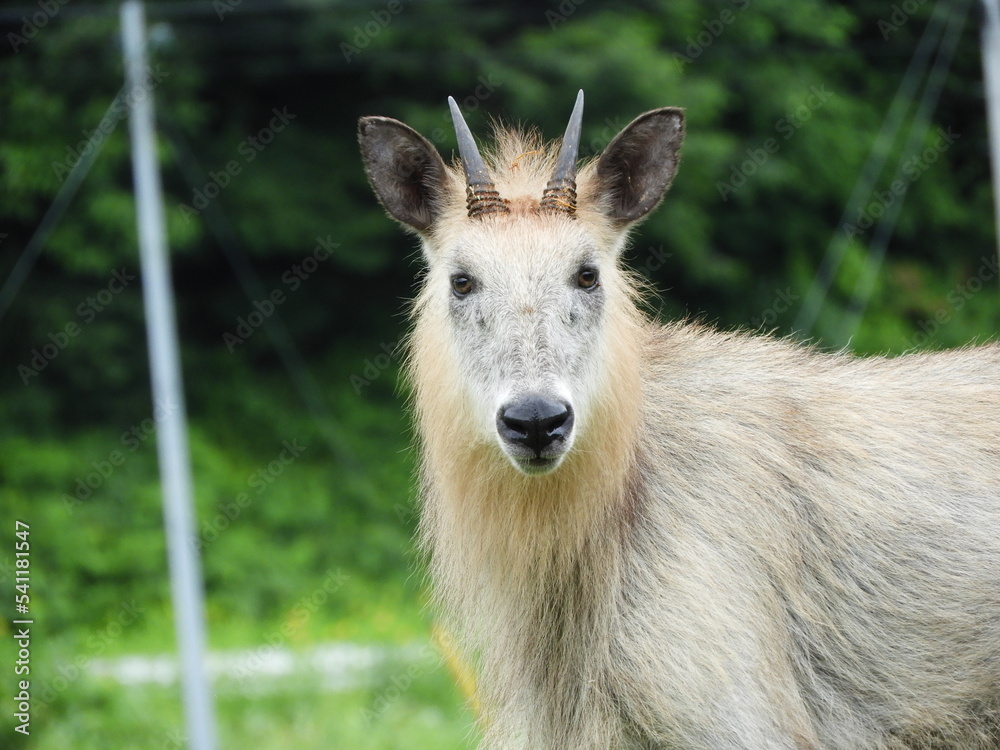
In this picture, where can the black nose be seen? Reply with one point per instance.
(535, 422)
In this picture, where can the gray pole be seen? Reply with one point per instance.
(171, 439)
(991, 84)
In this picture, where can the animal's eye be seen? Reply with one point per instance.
(461, 285)
(587, 278)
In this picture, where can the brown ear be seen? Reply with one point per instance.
(405, 170)
(637, 167)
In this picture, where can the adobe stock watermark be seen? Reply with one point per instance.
(6, 569)
(47, 10)
(222, 7)
(97, 643)
(653, 260)
(174, 739)
(429, 660)
(292, 279)
(711, 30)
(782, 303)
(119, 108)
(600, 141)
(485, 87)
(483, 91)
(103, 468)
(303, 609)
(258, 481)
(363, 35)
(375, 366)
(564, 10)
(405, 513)
(912, 169)
(957, 297)
(87, 311)
(901, 13)
(248, 148)
(786, 127)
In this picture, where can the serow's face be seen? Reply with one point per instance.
(521, 279)
(525, 314)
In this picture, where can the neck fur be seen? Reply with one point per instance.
(499, 539)
(527, 569)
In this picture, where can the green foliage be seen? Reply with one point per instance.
(299, 712)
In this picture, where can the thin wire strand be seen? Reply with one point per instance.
(254, 289)
(815, 297)
(865, 286)
(64, 197)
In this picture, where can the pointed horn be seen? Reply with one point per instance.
(559, 195)
(481, 194)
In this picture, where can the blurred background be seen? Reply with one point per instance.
(835, 186)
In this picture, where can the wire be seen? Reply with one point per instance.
(64, 197)
(254, 289)
(815, 297)
(918, 132)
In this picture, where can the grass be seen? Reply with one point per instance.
(299, 714)
(404, 702)
(321, 553)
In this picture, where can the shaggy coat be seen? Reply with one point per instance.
(744, 544)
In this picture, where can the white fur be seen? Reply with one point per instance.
(749, 544)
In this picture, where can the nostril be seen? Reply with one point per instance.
(515, 425)
(535, 422)
(552, 423)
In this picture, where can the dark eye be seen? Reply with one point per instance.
(587, 279)
(461, 285)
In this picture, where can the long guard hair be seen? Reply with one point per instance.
(659, 536)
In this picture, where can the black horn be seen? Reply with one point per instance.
(481, 193)
(559, 195)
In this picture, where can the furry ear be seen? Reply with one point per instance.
(637, 167)
(405, 170)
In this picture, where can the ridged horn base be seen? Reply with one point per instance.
(483, 200)
(559, 197)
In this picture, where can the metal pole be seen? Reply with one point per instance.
(991, 85)
(172, 446)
